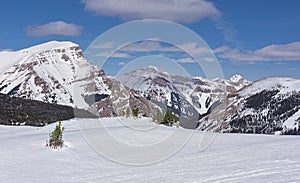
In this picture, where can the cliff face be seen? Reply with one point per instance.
(266, 106)
(190, 98)
(57, 72)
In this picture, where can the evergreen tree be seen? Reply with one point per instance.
(169, 118)
(135, 112)
(56, 137)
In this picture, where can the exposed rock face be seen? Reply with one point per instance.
(266, 106)
(234, 105)
(57, 72)
(44, 72)
(122, 99)
(190, 98)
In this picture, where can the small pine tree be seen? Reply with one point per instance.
(56, 137)
(169, 118)
(135, 112)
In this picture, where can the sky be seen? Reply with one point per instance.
(256, 39)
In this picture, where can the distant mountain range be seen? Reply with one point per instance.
(188, 97)
(57, 72)
(265, 106)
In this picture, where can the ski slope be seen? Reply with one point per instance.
(230, 157)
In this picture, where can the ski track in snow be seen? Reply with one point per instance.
(230, 158)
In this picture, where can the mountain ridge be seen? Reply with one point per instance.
(57, 72)
(188, 97)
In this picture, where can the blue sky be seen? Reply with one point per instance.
(258, 38)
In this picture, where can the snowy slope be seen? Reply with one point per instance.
(153, 82)
(292, 122)
(266, 106)
(10, 58)
(230, 158)
(236, 82)
(285, 85)
(57, 72)
(49, 72)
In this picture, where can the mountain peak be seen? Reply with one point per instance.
(284, 85)
(154, 68)
(236, 78)
(10, 58)
(44, 72)
(151, 71)
(50, 46)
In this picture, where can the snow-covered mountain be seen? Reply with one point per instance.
(234, 83)
(265, 106)
(188, 97)
(57, 72)
(44, 72)
(233, 105)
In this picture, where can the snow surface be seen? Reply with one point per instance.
(54, 72)
(9, 58)
(230, 158)
(285, 85)
(235, 78)
(291, 123)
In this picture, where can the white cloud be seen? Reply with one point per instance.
(289, 51)
(151, 46)
(194, 49)
(185, 60)
(221, 49)
(115, 55)
(107, 45)
(208, 59)
(191, 60)
(283, 52)
(59, 28)
(186, 11)
(227, 30)
(121, 63)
